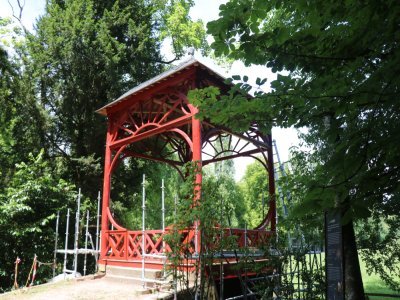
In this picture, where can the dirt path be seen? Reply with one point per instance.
(86, 289)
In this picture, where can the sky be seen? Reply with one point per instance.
(205, 10)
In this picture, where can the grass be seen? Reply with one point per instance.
(373, 284)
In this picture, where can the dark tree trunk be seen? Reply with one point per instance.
(353, 284)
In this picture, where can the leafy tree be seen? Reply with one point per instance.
(84, 54)
(24, 179)
(219, 184)
(176, 26)
(127, 195)
(5, 91)
(216, 210)
(21, 120)
(378, 237)
(227, 198)
(254, 186)
(225, 166)
(338, 65)
(28, 207)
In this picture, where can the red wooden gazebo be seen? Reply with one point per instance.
(155, 121)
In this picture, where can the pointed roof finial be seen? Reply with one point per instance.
(190, 51)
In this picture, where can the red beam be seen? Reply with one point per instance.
(106, 194)
(196, 158)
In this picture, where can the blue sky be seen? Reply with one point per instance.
(206, 10)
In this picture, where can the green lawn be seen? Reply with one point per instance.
(373, 284)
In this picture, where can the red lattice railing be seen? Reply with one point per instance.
(127, 244)
(249, 238)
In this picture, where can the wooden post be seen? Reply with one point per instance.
(196, 157)
(106, 195)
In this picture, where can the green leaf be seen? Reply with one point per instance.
(236, 77)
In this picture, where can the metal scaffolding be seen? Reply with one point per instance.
(93, 250)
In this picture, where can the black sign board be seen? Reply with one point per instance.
(334, 257)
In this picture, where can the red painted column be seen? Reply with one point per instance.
(196, 139)
(271, 184)
(106, 194)
(196, 157)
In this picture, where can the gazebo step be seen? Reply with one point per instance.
(129, 272)
(138, 280)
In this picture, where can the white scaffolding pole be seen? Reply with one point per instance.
(143, 228)
(66, 245)
(98, 222)
(86, 242)
(55, 245)
(245, 261)
(75, 251)
(163, 207)
(77, 233)
(97, 231)
(163, 222)
(221, 253)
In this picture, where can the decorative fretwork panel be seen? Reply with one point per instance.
(127, 244)
(145, 116)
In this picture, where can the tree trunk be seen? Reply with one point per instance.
(353, 284)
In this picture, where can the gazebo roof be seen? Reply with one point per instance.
(190, 63)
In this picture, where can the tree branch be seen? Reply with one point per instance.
(167, 62)
(365, 156)
(19, 17)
